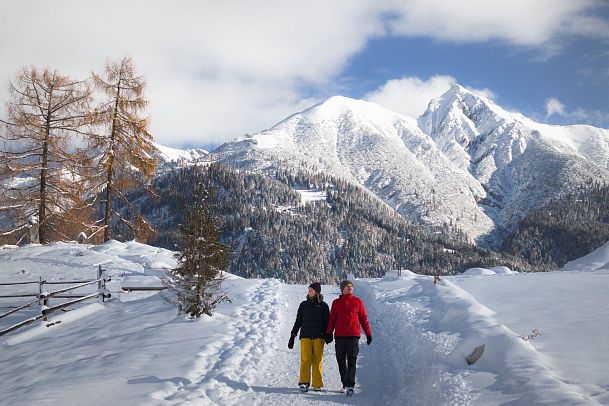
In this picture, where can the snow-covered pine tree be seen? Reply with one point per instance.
(42, 160)
(125, 146)
(196, 282)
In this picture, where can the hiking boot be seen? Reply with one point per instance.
(349, 391)
(303, 387)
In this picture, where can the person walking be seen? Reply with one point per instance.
(347, 314)
(311, 320)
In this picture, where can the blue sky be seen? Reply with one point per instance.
(218, 70)
(520, 78)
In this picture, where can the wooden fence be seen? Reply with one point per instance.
(43, 297)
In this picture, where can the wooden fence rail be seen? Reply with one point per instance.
(18, 308)
(18, 283)
(21, 324)
(47, 311)
(43, 298)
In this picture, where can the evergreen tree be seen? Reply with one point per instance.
(197, 280)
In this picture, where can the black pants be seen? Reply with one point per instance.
(347, 349)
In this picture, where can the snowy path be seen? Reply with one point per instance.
(254, 366)
(139, 352)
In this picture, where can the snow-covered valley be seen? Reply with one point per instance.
(136, 349)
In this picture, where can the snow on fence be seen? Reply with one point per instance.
(43, 297)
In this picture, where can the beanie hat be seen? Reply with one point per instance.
(345, 283)
(316, 287)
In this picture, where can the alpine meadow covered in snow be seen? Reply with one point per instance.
(370, 202)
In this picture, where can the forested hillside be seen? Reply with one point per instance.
(274, 234)
(566, 229)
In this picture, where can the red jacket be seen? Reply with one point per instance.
(347, 313)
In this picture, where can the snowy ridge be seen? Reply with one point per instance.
(596, 260)
(137, 350)
(167, 155)
(466, 161)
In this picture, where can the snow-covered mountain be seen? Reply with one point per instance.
(465, 161)
(383, 151)
(166, 155)
(521, 164)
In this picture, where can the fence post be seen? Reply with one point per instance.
(45, 299)
(99, 282)
(39, 289)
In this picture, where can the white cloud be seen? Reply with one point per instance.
(411, 95)
(521, 22)
(554, 107)
(216, 70)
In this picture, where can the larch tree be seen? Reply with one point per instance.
(125, 145)
(196, 282)
(43, 164)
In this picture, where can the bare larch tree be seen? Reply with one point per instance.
(125, 144)
(42, 159)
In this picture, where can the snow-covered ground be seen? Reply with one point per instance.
(136, 349)
(311, 195)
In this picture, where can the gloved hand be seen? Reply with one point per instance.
(329, 338)
(368, 340)
(291, 342)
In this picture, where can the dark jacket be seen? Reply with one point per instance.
(312, 318)
(348, 312)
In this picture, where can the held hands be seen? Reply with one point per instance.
(329, 338)
(368, 340)
(291, 342)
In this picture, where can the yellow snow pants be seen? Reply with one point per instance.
(311, 356)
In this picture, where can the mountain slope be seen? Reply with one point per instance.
(276, 232)
(520, 163)
(371, 146)
(465, 162)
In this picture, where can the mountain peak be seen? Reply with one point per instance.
(458, 92)
(465, 106)
(336, 106)
(456, 88)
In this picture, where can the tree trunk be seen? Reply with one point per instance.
(42, 224)
(111, 165)
(108, 199)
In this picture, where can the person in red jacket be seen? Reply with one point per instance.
(346, 315)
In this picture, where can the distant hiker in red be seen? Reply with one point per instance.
(311, 320)
(347, 313)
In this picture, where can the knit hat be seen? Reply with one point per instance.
(345, 283)
(316, 287)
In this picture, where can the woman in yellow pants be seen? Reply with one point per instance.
(311, 320)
